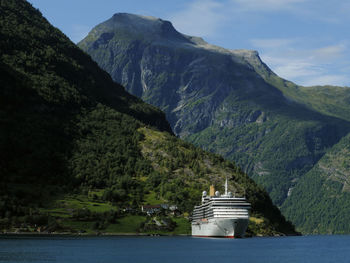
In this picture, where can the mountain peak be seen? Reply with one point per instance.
(147, 27)
(139, 21)
(135, 17)
(157, 30)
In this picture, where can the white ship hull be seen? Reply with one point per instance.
(220, 227)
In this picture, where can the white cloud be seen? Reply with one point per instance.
(201, 18)
(272, 42)
(337, 80)
(290, 68)
(267, 5)
(296, 69)
(330, 52)
(320, 66)
(204, 18)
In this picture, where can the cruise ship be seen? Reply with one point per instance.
(220, 215)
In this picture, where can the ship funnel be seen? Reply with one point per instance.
(212, 190)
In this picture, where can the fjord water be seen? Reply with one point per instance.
(175, 249)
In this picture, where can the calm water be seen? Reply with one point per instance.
(309, 249)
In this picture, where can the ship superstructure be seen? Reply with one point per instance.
(220, 215)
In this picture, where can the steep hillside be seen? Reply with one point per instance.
(74, 146)
(216, 99)
(181, 171)
(320, 203)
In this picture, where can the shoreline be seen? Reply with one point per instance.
(69, 234)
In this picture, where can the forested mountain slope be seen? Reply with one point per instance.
(74, 151)
(225, 101)
(320, 202)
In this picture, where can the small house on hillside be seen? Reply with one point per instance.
(151, 209)
(165, 206)
(174, 210)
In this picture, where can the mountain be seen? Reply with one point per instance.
(225, 101)
(78, 153)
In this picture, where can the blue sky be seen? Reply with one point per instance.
(305, 41)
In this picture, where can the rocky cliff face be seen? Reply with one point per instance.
(219, 99)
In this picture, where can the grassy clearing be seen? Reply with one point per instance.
(128, 224)
(152, 199)
(64, 206)
(96, 192)
(57, 212)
